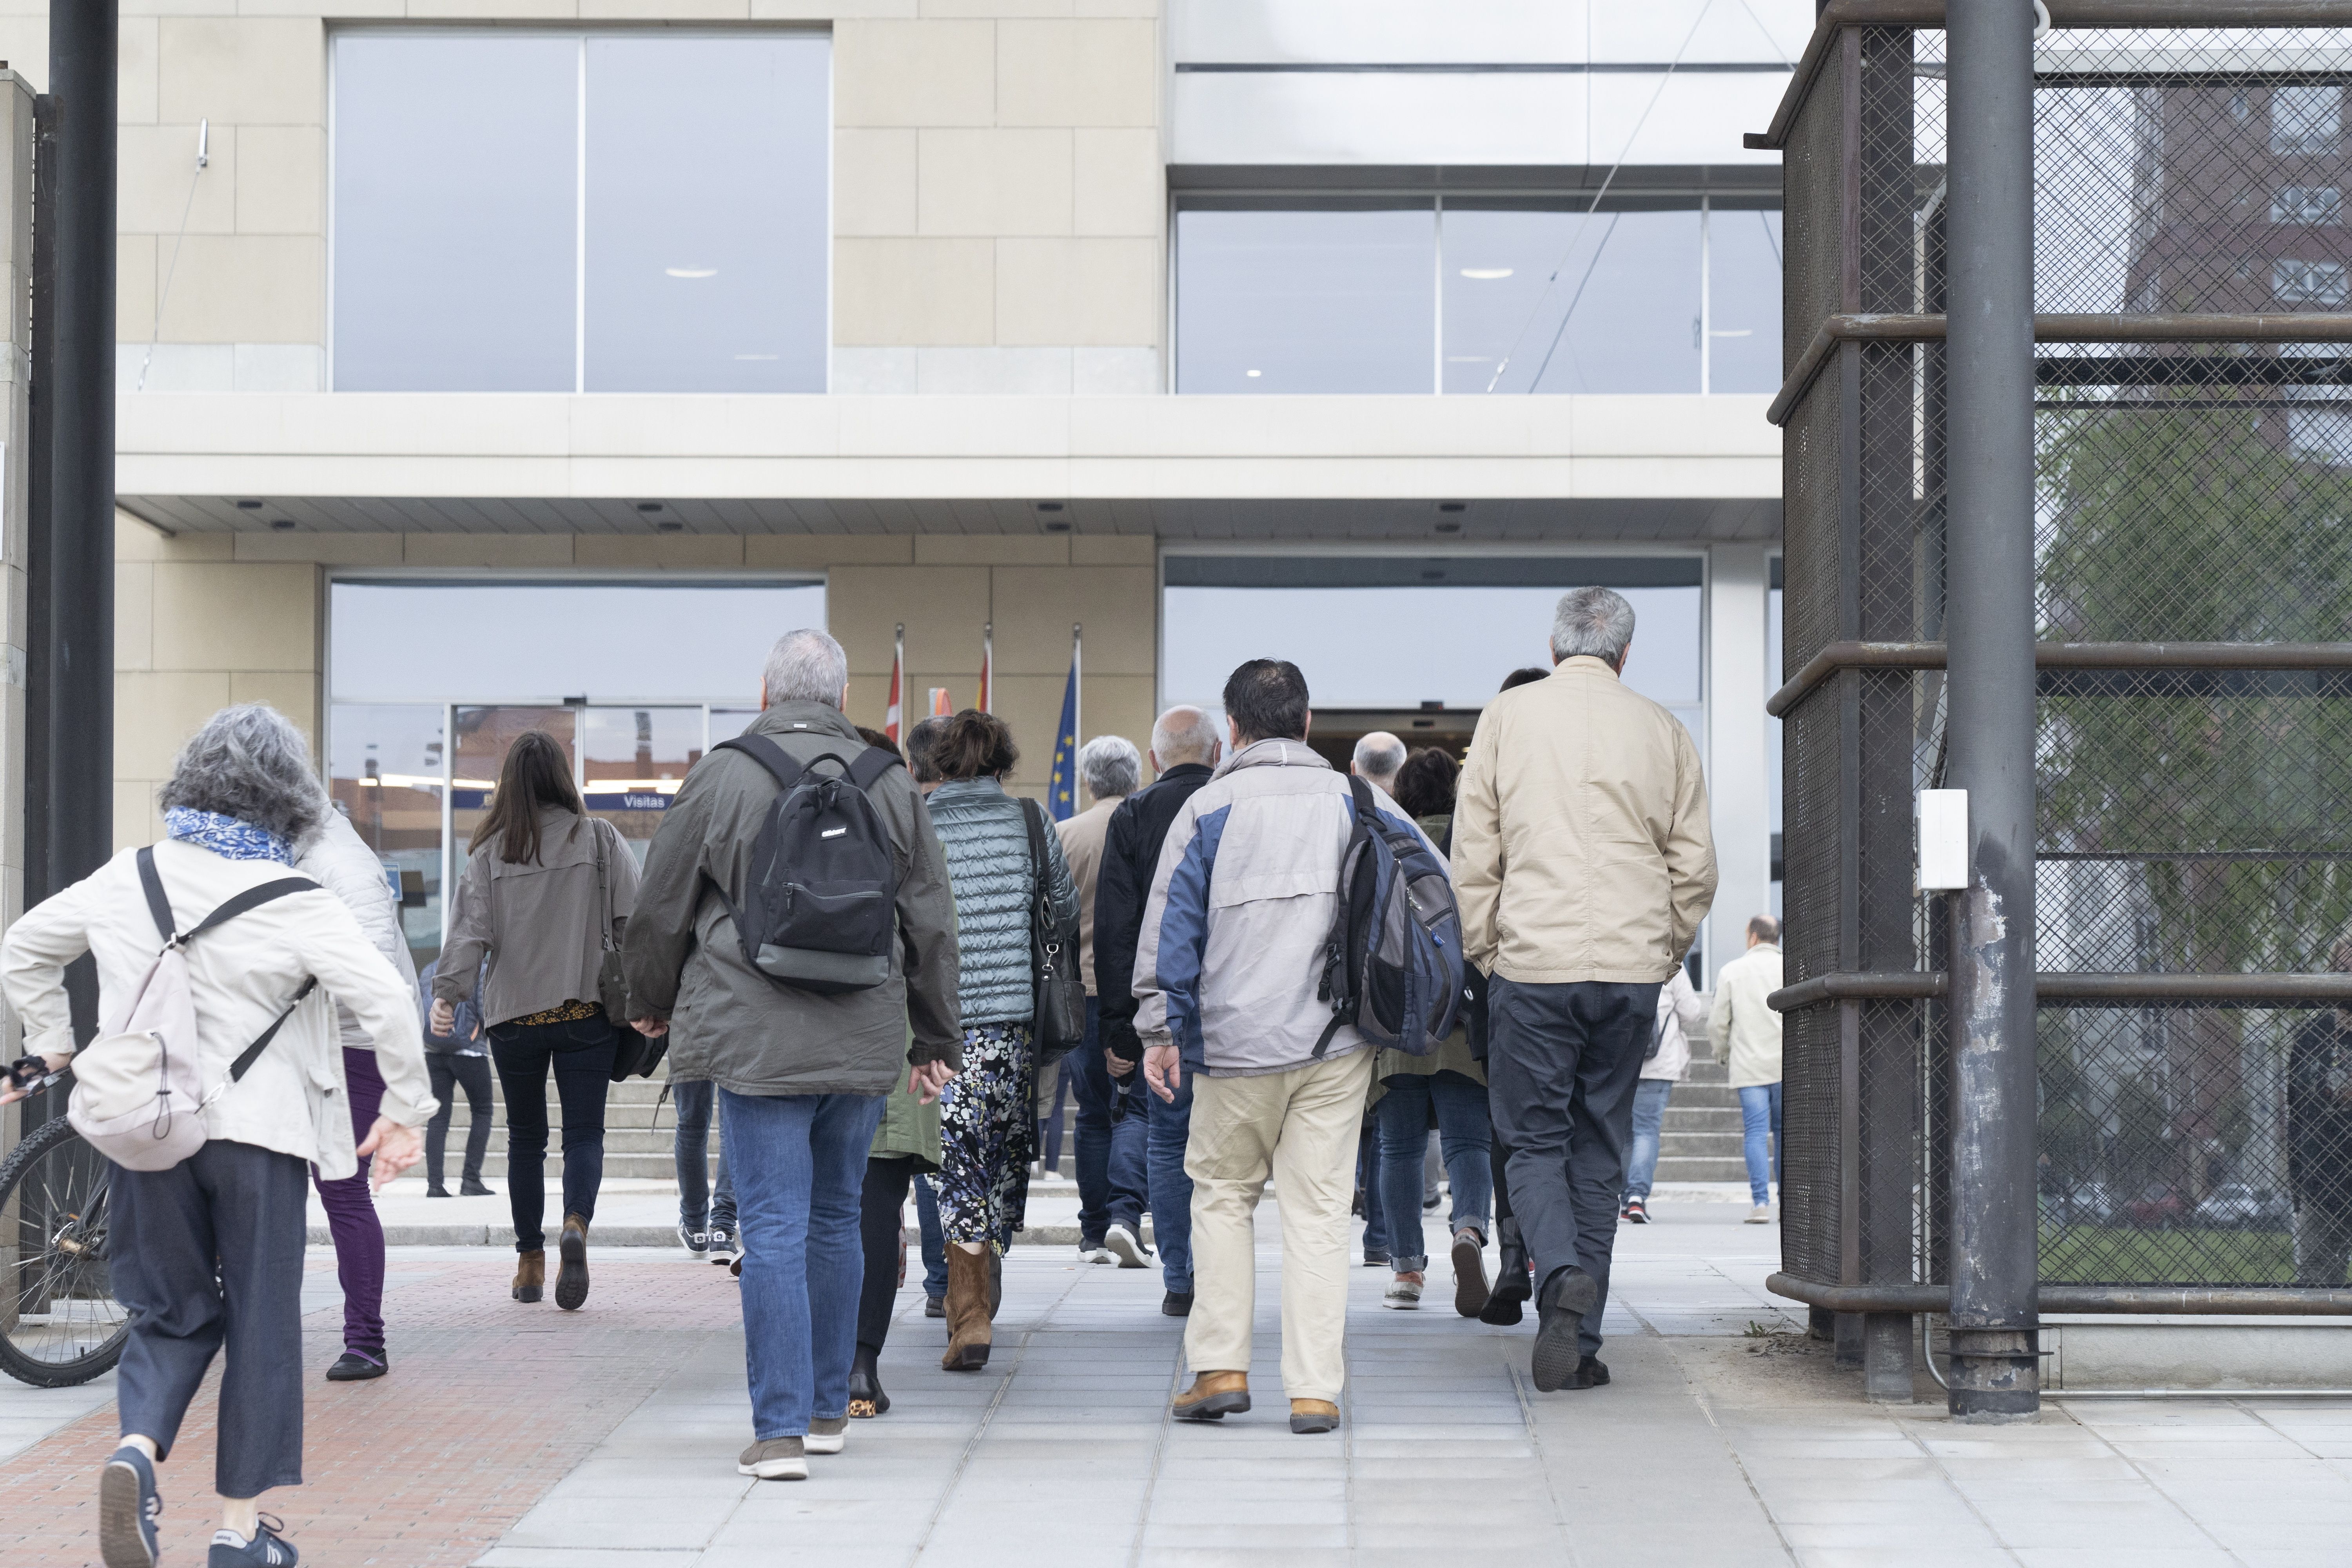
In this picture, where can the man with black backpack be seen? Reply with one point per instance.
(1253, 984)
(793, 922)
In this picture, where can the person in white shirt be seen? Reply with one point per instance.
(1748, 1032)
(1668, 1065)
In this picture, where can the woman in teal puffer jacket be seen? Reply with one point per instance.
(988, 1126)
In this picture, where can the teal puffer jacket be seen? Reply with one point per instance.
(987, 845)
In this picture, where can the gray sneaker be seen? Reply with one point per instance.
(776, 1459)
(827, 1434)
(128, 1509)
(267, 1549)
(1126, 1246)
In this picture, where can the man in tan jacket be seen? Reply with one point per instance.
(1582, 866)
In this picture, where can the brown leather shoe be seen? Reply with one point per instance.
(531, 1274)
(969, 1334)
(571, 1274)
(1213, 1395)
(1313, 1416)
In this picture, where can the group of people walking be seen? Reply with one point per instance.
(863, 963)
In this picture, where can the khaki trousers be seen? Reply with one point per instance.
(1301, 1128)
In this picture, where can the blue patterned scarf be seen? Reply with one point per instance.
(226, 835)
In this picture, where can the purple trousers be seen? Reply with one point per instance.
(352, 1219)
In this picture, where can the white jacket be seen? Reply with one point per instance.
(241, 976)
(1678, 1014)
(1748, 1033)
(339, 859)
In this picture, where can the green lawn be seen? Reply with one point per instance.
(2122, 1255)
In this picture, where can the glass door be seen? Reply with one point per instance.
(485, 735)
(632, 761)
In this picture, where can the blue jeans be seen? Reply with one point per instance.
(1167, 1126)
(1464, 1138)
(1113, 1176)
(1759, 1111)
(1367, 1179)
(1650, 1097)
(698, 1209)
(800, 1164)
(935, 1240)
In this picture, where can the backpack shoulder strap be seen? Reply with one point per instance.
(1366, 811)
(251, 899)
(767, 754)
(872, 764)
(158, 905)
(252, 1053)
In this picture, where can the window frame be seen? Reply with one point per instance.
(338, 31)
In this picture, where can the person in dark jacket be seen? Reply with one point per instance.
(458, 1060)
(988, 1121)
(1185, 750)
(2320, 1141)
(801, 1075)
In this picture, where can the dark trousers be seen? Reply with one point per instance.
(1563, 1062)
(580, 1052)
(352, 1219)
(207, 1256)
(451, 1072)
(1112, 1164)
(881, 1231)
(1368, 1183)
(935, 1240)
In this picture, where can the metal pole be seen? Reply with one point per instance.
(1990, 524)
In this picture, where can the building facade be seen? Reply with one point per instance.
(493, 362)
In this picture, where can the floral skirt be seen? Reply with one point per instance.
(988, 1135)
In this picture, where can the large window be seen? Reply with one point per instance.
(1477, 295)
(623, 211)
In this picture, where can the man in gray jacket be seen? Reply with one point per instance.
(801, 1075)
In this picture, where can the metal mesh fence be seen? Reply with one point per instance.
(2194, 487)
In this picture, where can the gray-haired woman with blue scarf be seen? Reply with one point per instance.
(207, 1255)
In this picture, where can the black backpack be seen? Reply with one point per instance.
(822, 901)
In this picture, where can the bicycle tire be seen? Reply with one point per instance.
(14, 1360)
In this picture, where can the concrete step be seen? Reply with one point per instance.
(1681, 1168)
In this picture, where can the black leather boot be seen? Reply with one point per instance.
(1513, 1276)
(866, 1397)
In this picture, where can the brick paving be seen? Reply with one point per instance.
(489, 1404)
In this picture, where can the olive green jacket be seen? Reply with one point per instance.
(910, 1129)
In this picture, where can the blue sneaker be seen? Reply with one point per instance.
(128, 1509)
(267, 1549)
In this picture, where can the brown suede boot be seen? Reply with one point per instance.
(1313, 1416)
(969, 1335)
(1214, 1394)
(531, 1274)
(571, 1274)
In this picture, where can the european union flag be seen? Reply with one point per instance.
(1062, 791)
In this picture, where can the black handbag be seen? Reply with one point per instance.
(633, 1055)
(1061, 1018)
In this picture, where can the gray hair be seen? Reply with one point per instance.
(1183, 734)
(1111, 766)
(806, 665)
(249, 762)
(1378, 755)
(1595, 621)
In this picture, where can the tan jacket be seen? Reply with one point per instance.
(1748, 1033)
(1082, 847)
(1581, 841)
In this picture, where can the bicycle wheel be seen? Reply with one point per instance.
(59, 1322)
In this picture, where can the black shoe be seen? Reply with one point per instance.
(267, 1549)
(695, 1241)
(1376, 1257)
(935, 1306)
(1176, 1304)
(1560, 1308)
(471, 1187)
(435, 1189)
(1514, 1282)
(1590, 1373)
(725, 1244)
(866, 1397)
(352, 1366)
(128, 1509)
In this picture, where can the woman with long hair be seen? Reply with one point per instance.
(988, 1119)
(545, 885)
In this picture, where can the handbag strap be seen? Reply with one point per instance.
(1033, 816)
(604, 894)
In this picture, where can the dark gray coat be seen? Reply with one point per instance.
(987, 841)
(731, 1025)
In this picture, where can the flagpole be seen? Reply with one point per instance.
(988, 667)
(1077, 683)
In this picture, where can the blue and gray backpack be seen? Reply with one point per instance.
(1392, 965)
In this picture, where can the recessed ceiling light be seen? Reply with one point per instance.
(670, 525)
(1485, 274)
(1058, 526)
(1253, 373)
(1453, 506)
(248, 506)
(649, 506)
(283, 524)
(1049, 506)
(1449, 527)
(691, 272)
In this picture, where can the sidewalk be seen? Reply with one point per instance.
(525, 1437)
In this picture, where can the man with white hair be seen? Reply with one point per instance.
(1111, 1174)
(1185, 750)
(1379, 757)
(801, 1073)
(1582, 866)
